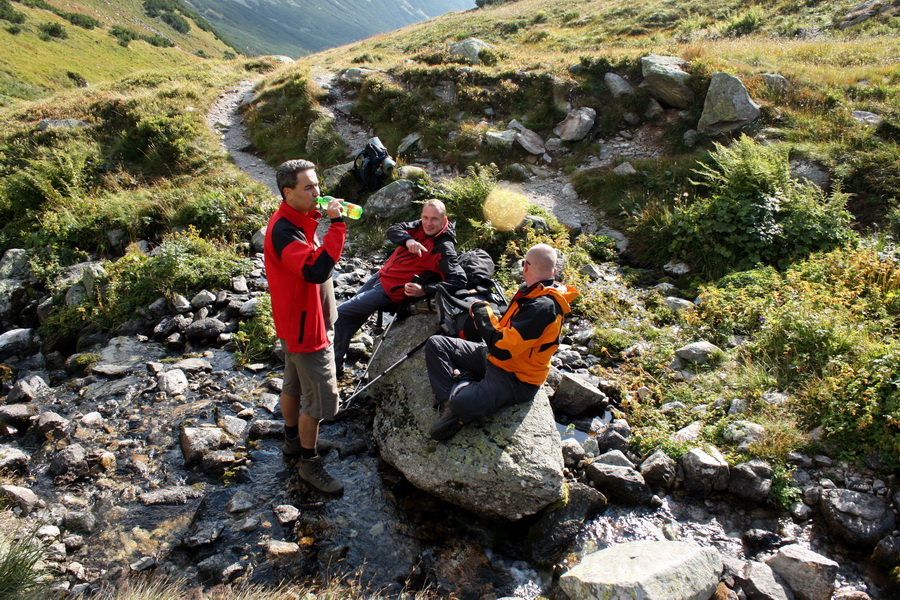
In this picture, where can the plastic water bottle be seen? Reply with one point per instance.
(352, 211)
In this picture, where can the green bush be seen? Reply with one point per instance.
(599, 247)
(177, 22)
(160, 41)
(81, 20)
(8, 13)
(465, 196)
(256, 338)
(184, 264)
(52, 30)
(745, 24)
(757, 214)
(123, 34)
(53, 177)
(162, 143)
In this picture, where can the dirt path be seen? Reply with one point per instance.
(225, 119)
(548, 188)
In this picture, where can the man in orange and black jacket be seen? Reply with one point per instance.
(426, 250)
(475, 380)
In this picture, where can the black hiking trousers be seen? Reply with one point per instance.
(480, 389)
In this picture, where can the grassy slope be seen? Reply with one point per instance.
(31, 68)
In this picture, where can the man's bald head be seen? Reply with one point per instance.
(540, 263)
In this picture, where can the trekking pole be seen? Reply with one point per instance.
(418, 347)
(374, 353)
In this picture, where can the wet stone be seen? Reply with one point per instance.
(286, 513)
(217, 462)
(13, 460)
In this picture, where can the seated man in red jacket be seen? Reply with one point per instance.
(298, 269)
(426, 246)
(513, 362)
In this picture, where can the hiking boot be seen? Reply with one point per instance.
(313, 472)
(290, 447)
(445, 427)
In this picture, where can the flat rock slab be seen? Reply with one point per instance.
(646, 571)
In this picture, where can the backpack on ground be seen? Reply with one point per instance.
(370, 167)
(453, 308)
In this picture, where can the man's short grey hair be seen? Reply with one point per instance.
(286, 175)
(437, 204)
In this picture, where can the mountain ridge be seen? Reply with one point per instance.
(264, 26)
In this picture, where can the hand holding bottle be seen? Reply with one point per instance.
(352, 211)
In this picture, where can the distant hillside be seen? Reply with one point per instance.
(53, 45)
(298, 28)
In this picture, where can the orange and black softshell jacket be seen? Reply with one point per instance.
(524, 339)
(295, 268)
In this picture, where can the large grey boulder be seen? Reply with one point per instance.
(666, 80)
(530, 141)
(727, 107)
(751, 480)
(809, 574)
(500, 139)
(470, 49)
(14, 264)
(776, 82)
(576, 125)
(129, 351)
(558, 526)
(507, 465)
(13, 460)
(21, 497)
(760, 582)
(356, 74)
(620, 484)
(857, 518)
(645, 570)
(659, 471)
(173, 382)
(704, 472)
(197, 441)
(12, 295)
(575, 396)
(744, 434)
(332, 178)
(392, 200)
(698, 352)
(617, 85)
(15, 341)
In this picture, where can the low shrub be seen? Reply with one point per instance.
(756, 213)
(184, 264)
(52, 30)
(8, 13)
(256, 338)
(81, 20)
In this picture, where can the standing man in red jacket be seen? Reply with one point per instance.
(426, 247)
(298, 269)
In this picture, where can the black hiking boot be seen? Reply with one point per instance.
(313, 472)
(445, 427)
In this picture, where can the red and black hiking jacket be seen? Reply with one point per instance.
(439, 258)
(295, 267)
(524, 339)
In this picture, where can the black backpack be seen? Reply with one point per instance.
(453, 308)
(369, 165)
